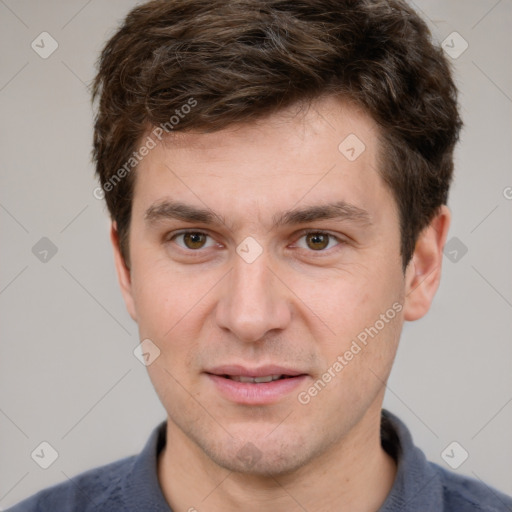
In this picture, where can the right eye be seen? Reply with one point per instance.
(191, 240)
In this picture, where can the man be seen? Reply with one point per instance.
(277, 176)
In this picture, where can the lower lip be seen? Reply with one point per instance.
(248, 393)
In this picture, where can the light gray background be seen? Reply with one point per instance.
(67, 372)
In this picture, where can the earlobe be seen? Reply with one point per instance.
(123, 272)
(423, 273)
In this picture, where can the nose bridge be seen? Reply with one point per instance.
(251, 281)
(252, 302)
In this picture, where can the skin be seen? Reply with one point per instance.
(299, 303)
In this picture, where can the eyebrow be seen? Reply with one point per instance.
(340, 210)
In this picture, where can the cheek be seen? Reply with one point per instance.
(170, 311)
(346, 302)
(354, 319)
(163, 297)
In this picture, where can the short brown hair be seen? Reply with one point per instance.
(243, 59)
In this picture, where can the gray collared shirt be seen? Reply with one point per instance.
(131, 484)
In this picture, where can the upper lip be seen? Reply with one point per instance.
(260, 371)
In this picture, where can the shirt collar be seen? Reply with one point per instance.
(141, 487)
(416, 486)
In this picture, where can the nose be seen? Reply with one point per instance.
(253, 301)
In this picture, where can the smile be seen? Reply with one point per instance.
(256, 380)
(255, 386)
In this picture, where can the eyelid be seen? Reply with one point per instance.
(171, 236)
(308, 231)
(304, 232)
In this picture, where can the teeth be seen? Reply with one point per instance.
(256, 380)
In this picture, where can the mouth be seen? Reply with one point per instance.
(255, 386)
(257, 380)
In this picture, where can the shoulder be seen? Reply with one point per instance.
(465, 494)
(97, 488)
(429, 487)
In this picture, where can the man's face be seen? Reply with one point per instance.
(249, 293)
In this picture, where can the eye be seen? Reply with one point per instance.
(192, 240)
(318, 241)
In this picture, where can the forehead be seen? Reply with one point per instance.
(322, 153)
(328, 125)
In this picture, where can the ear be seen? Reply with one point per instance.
(123, 272)
(423, 272)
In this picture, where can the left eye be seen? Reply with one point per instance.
(318, 240)
(193, 240)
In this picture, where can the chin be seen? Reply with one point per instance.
(260, 456)
(267, 463)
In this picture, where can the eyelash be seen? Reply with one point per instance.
(302, 234)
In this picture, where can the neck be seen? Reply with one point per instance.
(356, 474)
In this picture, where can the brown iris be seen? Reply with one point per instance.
(194, 240)
(317, 241)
